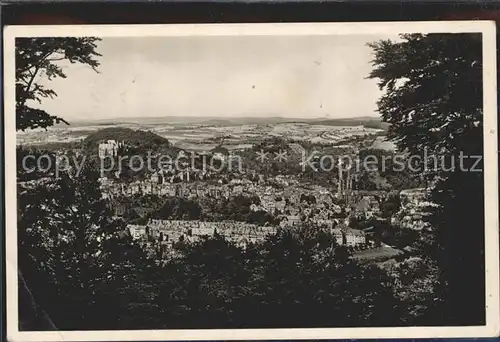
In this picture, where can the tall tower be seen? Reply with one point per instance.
(348, 178)
(339, 190)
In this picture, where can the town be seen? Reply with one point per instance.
(358, 213)
(359, 207)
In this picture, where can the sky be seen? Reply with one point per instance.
(221, 76)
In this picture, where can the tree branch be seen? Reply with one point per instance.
(55, 59)
(37, 64)
(30, 83)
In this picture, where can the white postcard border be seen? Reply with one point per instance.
(488, 30)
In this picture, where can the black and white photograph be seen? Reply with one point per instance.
(251, 181)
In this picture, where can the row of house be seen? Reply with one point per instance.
(415, 207)
(109, 148)
(241, 233)
(174, 230)
(348, 236)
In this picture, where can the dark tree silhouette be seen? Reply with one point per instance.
(433, 103)
(71, 249)
(297, 278)
(37, 58)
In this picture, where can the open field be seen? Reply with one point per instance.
(382, 144)
(198, 136)
(379, 253)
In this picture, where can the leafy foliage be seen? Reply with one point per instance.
(72, 250)
(381, 169)
(433, 101)
(37, 58)
(415, 280)
(145, 139)
(236, 208)
(178, 208)
(433, 87)
(293, 279)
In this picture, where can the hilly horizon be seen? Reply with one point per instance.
(224, 121)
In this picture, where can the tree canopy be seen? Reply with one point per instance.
(433, 90)
(433, 102)
(37, 58)
(71, 249)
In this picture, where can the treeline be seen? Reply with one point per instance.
(87, 273)
(387, 170)
(234, 208)
(293, 279)
(145, 139)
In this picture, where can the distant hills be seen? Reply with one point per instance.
(367, 121)
(188, 120)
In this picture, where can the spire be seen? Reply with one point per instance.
(339, 191)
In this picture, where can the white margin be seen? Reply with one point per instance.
(488, 30)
